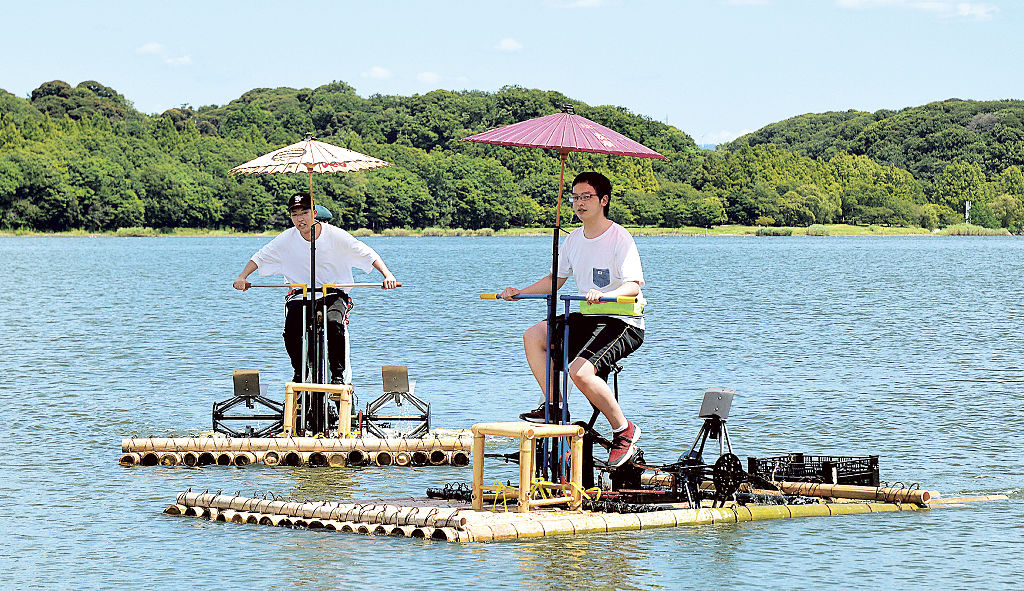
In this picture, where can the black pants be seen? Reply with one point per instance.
(338, 305)
(601, 340)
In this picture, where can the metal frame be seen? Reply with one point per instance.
(248, 392)
(396, 377)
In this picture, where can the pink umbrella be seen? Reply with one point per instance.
(565, 132)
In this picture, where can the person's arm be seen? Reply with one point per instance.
(541, 287)
(628, 289)
(389, 279)
(240, 282)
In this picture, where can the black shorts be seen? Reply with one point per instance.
(601, 340)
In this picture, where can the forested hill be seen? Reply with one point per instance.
(923, 140)
(82, 157)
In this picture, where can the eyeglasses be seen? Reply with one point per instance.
(584, 197)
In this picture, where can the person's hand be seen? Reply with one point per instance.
(594, 296)
(389, 282)
(241, 284)
(508, 294)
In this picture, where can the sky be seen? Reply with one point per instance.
(715, 69)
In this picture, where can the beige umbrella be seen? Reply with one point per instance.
(309, 156)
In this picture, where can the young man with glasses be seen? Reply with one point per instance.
(603, 260)
(337, 252)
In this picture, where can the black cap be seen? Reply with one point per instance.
(299, 201)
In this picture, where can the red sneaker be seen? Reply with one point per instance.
(623, 448)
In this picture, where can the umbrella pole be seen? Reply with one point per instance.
(315, 410)
(554, 396)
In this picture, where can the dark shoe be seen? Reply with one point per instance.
(338, 380)
(623, 448)
(297, 379)
(537, 415)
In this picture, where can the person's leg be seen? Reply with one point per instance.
(336, 336)
(597, 391)
(293, 329)
(535, 341)
(609, 340)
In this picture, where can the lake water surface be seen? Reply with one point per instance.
(908, 348)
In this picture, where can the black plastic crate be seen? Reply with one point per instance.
(797, 467)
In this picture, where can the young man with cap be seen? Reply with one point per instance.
(337, 252)
(603, 260)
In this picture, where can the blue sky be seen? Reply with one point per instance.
(715, 69)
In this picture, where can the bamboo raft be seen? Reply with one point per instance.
(438, 448)
(455, 521)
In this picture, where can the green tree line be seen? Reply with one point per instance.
(83, 157)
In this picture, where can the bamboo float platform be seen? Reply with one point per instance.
(437, 448)
(455, 521)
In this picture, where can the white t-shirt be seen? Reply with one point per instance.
(603, 263)
(337, 252)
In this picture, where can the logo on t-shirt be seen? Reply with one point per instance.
(602, 277)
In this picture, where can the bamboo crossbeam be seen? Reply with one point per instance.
(299, 444)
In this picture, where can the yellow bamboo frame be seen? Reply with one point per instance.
(528, 433)
(291, 404)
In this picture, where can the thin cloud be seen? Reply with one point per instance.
(975, 11)
(428, 77)
(746, 2)
(158, 50)
(508, 44)
(377, 73)
(150, 48)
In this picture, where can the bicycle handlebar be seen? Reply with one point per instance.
(532, 296)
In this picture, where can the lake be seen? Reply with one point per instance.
(904, 347)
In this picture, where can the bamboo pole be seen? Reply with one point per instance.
(130, 459)
(458, 458)
(527, 458)
(300, 444)
(358, 457)
(478, 470)
(316, 459)
(169, 458)
(244, 458)
(438, 458)
(516, 430)
(865, 493)
(576, 471)
(403, 458)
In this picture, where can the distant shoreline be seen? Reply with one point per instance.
(817, 230)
